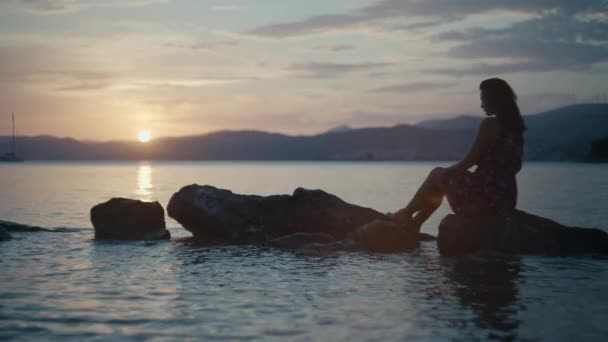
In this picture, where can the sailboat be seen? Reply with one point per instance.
(12, 155)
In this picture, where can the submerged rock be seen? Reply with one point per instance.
(599, 150)
(18, 227)
(128, 219)
(517, 233)
(306, 218)
(303, 240)
(377, 236)
(383, 236)
(7, 227)
(4, 235)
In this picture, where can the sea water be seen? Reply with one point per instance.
(61, 286)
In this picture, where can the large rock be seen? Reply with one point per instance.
(517, 233)
(127, 219)
(306, 218)
(217, 214)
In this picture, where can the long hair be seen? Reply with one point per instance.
(504, 99)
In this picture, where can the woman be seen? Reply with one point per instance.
(497, 152)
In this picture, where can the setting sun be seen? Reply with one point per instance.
(144, 136)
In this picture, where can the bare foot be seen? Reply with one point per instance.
(415, 223)
(401, 218)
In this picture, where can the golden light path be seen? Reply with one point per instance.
(144, 182)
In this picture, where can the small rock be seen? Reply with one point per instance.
(128, 219)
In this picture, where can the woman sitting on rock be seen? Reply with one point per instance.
(497, 152)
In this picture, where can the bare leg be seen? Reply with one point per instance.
(426, 200)
(425, 213)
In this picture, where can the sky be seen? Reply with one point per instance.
(105, 70)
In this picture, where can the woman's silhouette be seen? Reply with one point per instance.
(497, 152)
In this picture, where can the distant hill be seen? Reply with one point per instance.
(400, 142)
(459, 122)
(561, 134)
(339, 129)
(564, 133)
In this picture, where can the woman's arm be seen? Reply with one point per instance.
(489, 129)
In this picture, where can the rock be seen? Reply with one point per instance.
(308, 218)
(213, 214)
(4, 235)
(12, 227)
(599, 150)
(18, 227)
(127, 219)
(517, 233)
(302, 240)
(383, 236)
(426, 237)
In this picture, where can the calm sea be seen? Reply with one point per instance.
(59, 286)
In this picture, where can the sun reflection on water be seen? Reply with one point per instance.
(144, 182)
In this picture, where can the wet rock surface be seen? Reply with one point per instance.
(128, 219)
(305, 218)
(517, 233)
(212, 213)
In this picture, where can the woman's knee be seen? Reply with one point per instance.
(437, 173)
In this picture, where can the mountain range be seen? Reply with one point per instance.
(565, 133)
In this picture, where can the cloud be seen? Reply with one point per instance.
(182, 82)
(226, 8)
(423, 13)
(334, 48)
(553, 27)
(69, 6)
(90, 85)
(331, 70)
(539, 102)
(313, 25)
(207, 46)
(554, 42)
(550, 35)
(61, 80)
(414, 87)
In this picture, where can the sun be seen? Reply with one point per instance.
(144, 136)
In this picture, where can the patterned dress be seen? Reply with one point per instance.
(492, 187)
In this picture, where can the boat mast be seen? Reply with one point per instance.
(14, 142)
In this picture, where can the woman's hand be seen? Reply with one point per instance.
(486, 136)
